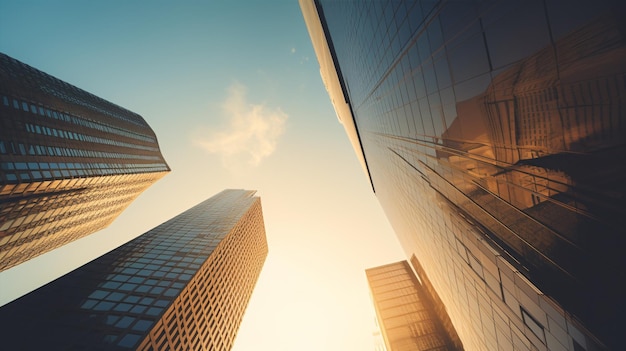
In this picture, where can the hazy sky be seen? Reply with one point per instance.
(232, 90)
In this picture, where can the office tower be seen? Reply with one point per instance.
(183, 285)
(405, 314)
(379, 341)
(70, 162)
(493, 134)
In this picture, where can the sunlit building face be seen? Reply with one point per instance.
(70, 162)
(183, 285)
(406, 315)
(494, 134)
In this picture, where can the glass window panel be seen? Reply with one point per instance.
(104, 306)
(157, 290)
(154, 311)
(125, 322)
(142, 325)
(161, 303)
(468, 58)
(533, 325)
(129, 340)
(147, 301)
(171, 292)
(121, 278)
(132, 299)
(98, 294)
(138, 309)
(110, 319)
(511, 21)
(89, 304)
(115, 296)
(136, 280)
(122, 307)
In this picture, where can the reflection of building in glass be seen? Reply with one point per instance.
(70, 162)
(494, 134)
(183, 285)
(405, 313)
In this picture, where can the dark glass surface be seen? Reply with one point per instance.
(506, 114)
(115, 300)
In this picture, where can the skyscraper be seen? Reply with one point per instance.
(70, 162)
(493, 134)
(405, 314)
(183, 285)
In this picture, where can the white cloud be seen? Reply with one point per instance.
(252, 132)
(293, 50)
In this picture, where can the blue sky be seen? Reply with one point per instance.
(234, 94)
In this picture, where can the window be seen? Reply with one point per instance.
(533, 325)
(138, 309)
(104, 306)
(116, 296)
(125, 322)
(110, 319)
(123, 307)
(147, 301)
(578, 347)
(476, 265)
(89, 304)
(132, 299)
(129, 340)
(154, 311)
(142, 325)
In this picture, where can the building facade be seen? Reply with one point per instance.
(406, 316)
(70, 162)
(493, 134)
(183, 285)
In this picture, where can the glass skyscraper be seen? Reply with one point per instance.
(406, 315)
(494, 135)
(183, 285)
(70, 162)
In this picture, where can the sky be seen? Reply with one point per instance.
(234, 95)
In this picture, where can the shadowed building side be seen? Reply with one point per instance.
(183, 285)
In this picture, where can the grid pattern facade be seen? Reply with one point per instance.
(405, 314)
(70, 162)
(208, 312)
(492, 132)
(183, 285)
